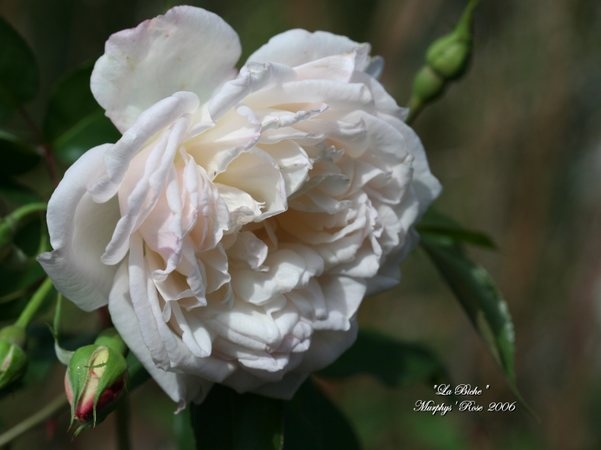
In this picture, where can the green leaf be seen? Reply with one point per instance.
(312, 421)
(230, 421)
(403, 363)
(436, 223)
(183, 431)
(93, 130)
(74, 122)
(17, 274)
(18, 70)
(70, 102)
(478, 294)
(17, 156)
(13, 195)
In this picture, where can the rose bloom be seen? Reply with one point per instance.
(237, 225)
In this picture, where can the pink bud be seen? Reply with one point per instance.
(94, 381)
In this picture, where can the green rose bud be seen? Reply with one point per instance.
(446, 60)
(427, 84)
(448, 56)
(13, 360)
(94, 381)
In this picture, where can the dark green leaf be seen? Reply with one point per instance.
(29, 234)
(230, 421)
(40, 352)
(17, 157)
(18, 70)
(93, 130)
(312, 421)
(391, 362)
(70, 102)
(478, 294)
(18, 273)
(136, 374)
(436, 223)
(183, 431)
(9, 311)
(74, 122)
(13, 195)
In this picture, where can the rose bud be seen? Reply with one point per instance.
(94, 381)
(449, 55)
(13, 360)
(446, 60)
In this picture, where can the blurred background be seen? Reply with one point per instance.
(517, 146)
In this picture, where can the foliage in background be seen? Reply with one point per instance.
(74, 123)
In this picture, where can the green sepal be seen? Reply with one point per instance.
(448, 55)
(111, 338)
(427, 85)
(82, 375)
(13, 359)
(13, 334)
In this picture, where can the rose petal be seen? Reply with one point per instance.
(187, 49)
(179, 387)
(296, 47)
(79, 230)
(258, 174)
(119, 156)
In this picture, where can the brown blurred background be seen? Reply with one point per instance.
(517, 146)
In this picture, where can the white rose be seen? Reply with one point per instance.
(237, 225)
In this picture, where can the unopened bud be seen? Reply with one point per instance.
(449, 55)
(446, 59)
(94, 381)
(13, 360)
(427, 84)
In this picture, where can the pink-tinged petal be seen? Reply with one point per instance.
(249, 249)
(284, 273)
(336, 67)
(389, 274)
(139, 196)
(156, 118)
(326, 347)
(79, 230)
(258, 174)
(342, 96)
(187, 49)
(296, 47)
(343, 296)
(427, 187)
(179, 387)
(245, 326)
(215, 149)
(292, 161)
(251, 78)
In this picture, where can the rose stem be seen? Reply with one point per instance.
(34, 304)
(46, 412)
(122, 419)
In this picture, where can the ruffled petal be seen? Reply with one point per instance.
(79, 231)
(179, 387)
(187, 49)
(296, 47)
